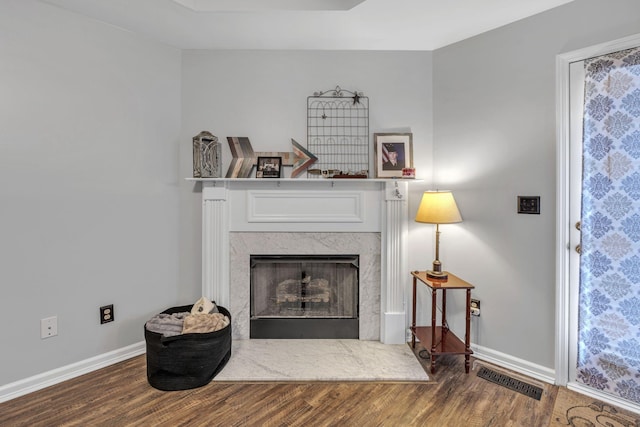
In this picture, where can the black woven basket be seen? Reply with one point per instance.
(186, 361)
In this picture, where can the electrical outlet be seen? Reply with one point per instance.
(49, 327)
(475, 307)
(106, 314)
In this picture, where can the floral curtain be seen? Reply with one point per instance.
(609, 314)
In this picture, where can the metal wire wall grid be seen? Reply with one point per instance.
(338, 133)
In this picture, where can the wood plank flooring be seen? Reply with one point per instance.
(119, 395)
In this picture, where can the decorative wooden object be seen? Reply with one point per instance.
(243, 157)
(302, 159)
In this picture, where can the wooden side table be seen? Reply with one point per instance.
(439, 339)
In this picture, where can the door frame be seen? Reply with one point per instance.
(564, 245)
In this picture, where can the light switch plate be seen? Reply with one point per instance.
(529, 205)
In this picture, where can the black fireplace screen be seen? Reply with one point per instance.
(304, 296)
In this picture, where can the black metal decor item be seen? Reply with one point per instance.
(338, 133)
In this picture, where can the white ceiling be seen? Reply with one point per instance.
(308, 24)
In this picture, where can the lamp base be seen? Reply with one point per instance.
(436, 272)
(438, 275)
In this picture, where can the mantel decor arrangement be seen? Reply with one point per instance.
(337, 146)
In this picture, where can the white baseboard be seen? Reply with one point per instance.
(58, 375)
(513, 363)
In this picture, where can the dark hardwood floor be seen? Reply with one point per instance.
(119, 395)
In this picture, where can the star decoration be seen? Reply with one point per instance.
(356, 98)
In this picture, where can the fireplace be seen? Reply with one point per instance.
(304, 296)
(244, 217)
(366, 246)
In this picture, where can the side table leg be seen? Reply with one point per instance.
(413, 316)
(467, 333)
(433, 323)
(433, 330)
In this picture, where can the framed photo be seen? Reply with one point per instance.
(394, 152)
(269, 167)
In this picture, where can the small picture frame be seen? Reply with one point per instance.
(394, 152)
(268, 167)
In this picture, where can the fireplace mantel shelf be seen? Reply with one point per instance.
(302, 180)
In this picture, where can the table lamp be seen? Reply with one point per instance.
(438, 207)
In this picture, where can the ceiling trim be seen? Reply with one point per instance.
(265, 5)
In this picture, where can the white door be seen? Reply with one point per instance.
(596, 353)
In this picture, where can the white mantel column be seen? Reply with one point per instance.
(215, 243)
(394, 263)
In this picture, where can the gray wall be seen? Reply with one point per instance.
(89, 126)
(494, 139)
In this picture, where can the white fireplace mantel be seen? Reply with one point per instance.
(309, 205)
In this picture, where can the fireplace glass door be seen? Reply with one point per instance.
(304, 296)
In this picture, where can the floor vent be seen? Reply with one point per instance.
(510, 383)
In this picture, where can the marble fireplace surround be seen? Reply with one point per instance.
(366, 245)
(369, 218)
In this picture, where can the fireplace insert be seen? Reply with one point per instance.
(304, 296)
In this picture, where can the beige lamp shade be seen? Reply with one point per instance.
(438, 207)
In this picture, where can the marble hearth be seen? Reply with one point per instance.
(243, 217)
